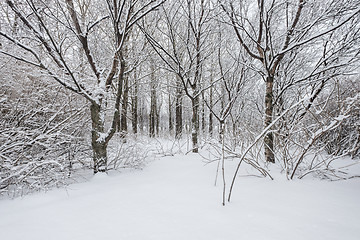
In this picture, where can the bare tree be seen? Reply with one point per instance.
(274, 33)
(153, 100)
(178, 109)
(184, 50)
(110, 21)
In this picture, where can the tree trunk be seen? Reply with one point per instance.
(120, 91)
(98, 141)
(124, 105)
(171, 126)
(210, 124)
(153, 105)
(178, 110)
(142, 114)
(203, 113)
(157, 122)
(195, 122)
(211, 107)
(134, 107)
(269, 137)
(152, 116)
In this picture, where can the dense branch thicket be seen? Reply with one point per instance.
(42, 139)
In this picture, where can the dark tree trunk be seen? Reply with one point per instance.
(171, 125)
(120, 91)
(124, 105)
(141, 115)
(269, 137)
(157, 122)
(152, 116)
(153, 104)
(98, 142)
(210, 124)
(211, 107)
(178, 110)
(195, 123)
(203, 123)
(134, 106)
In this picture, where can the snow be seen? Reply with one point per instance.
(341, 117)
(175, 198)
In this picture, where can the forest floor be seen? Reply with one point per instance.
(174, 198)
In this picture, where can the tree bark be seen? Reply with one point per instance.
(203, 123)
(153, 104)
(98, 142)
(195, 122)
(178, 110)
(211, 107)
(141, 115)
(124, 105)
(134, 106)
(120, 91)
(157, 121)
(171, 125)
(269, 107)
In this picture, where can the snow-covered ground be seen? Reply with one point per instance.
(174, 198)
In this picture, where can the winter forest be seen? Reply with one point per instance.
(254, 96)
